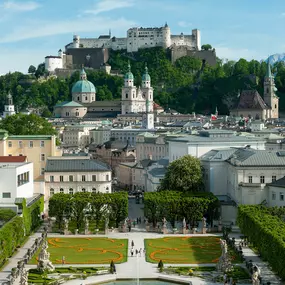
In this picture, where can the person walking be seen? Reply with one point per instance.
(132, 252)
(132, 243)
(140, 252)
(137, 252)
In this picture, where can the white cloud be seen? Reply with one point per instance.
(108, 5)
(39, 29)
(224, 52)
(184, 24)
(20, 6)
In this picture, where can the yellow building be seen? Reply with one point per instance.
(37, 148)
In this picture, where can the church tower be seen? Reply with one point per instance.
(270, 99)
(9, 108)
(129, 93)
(147, 90)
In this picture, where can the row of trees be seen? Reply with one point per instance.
(266, 232)
(96, 206)
(181, 86)
(175, 206)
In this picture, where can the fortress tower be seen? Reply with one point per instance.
(9, 108)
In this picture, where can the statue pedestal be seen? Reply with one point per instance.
(204, 231)
(66, 232)
(220, 228)
(86, 232)
(164, 230)
(147, 228)
(184, 231)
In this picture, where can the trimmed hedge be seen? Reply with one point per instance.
(13, 233)
(266, 232)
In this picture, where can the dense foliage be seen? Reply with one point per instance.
(266, 232)
(183, 174)
(13, 233)
(6, 215)
(96, 206)
(175, 206)
(32, 124)
(186, 86)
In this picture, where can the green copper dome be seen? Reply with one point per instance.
(146, 76)
(129, 75)
(83, 85)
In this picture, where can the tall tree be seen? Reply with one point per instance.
(183, 174)
(32, 69)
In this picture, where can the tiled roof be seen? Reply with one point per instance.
(218, 155)
(75, 165)
(278, 183)
(250, 99)
(253, 157)
(13, 159)
(158, 172)
(72, 104)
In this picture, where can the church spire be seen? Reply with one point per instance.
(268, 70)
(83, 75)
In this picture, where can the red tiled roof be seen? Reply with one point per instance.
(13, 159)
(156, 106)
(250, 99)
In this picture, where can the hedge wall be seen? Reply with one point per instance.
(266, 232)
(13, 233)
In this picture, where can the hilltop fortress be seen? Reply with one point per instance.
(94, 52)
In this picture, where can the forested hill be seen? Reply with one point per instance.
(187, 86)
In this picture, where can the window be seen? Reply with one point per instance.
(6, 195)
(42, 143)
(31, 144)
(107, 177)
(43, 157)
(42, 171)
(76, 114)
(281, 196)
(93, 177)
(262, 179)
(107, 190)
(273, 178)
(83, 190)
(20, 144)
(10, 144)
(70, 191)
(249, 179)
(51, 192)
(67, 114)
(61, 191)
(93, 190)
(70, 178)
(51, 178)
(61, 178)
(127, 95)
(23, 178)
(83, 178)
(273, 196)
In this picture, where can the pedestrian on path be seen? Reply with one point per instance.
(132, 252)
(140, 252)
(132, 244)
(134, 223)
(137, 252)
(130, 227)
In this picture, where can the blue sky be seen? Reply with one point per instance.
(30, 30)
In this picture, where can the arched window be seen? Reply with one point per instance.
(93, 190)
(127, 95)
(51, 192)
(70, 191)
(61, 190)
(83, 190)
(86, 98)
(78, 99)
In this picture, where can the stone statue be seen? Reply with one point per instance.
(220, 221)
(43, 258)
(107, 222)
(66, 224)
(255, 275)
(24, 277)
(224, 263)
(184, 223)
(86, 224)
(204, 222)
(164, 222)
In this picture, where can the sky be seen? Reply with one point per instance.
(31, 30)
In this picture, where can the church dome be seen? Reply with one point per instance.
(146, 76)
(129, 75)
(83, 85)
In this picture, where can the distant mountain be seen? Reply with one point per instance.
(276, 58)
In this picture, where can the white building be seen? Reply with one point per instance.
(76, 135)
(16, 180)
(198, 145)
(100, 135)
(9, 108)
(276, 193)
(76, 174)
(54, 62)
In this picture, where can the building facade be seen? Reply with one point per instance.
(100, 135)
(16, 180)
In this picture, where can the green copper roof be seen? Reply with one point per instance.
(268, 71)
(83, 85)
(72, 104)
(129, 75)
(146, 76)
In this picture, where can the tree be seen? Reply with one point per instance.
(79, 203)
(32, 69)
(32, 124)
(183, 174)
(41, 70)
(206, 47)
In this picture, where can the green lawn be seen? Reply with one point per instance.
(86, 250)
(183, 250)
